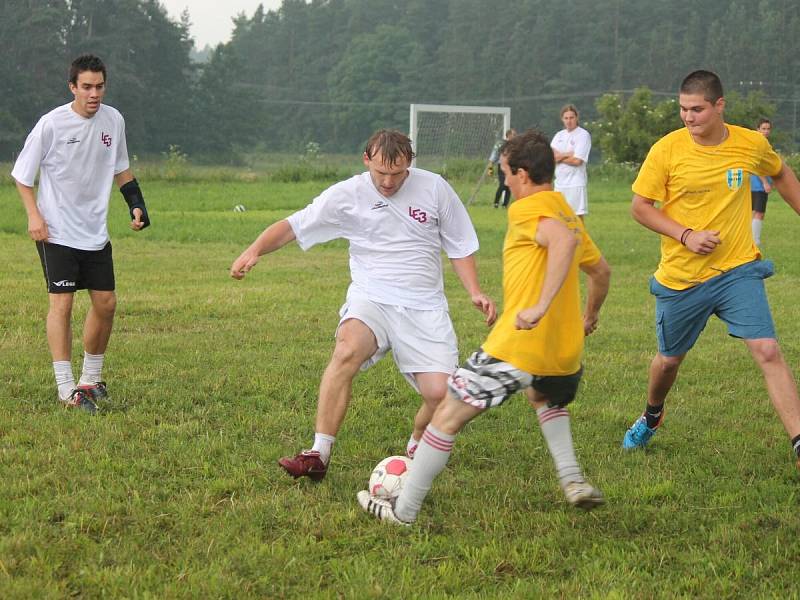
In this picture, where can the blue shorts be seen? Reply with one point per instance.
(737, 297)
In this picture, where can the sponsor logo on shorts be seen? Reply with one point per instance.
(106, 139)
(64, 283)
(735, 178)
(418, 214)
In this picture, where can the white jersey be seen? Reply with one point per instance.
(395, 242)
(78, 158)
(579, 142)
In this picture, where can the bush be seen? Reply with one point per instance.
(175, 164)
(625, 131)
(793, 161)
(614, 171)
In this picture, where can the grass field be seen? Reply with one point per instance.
(173, 491)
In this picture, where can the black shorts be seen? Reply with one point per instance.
(759, 200)
(68, 269)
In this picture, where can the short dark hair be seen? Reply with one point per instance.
(392, 144)
(531, 151)
(703, 82)
(763, 120)
(86, 62)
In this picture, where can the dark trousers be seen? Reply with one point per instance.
(502, 190)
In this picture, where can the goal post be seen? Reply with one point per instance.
(457, 140)
(442, 133)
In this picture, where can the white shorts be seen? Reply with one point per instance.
(421, 341)
(577, 198)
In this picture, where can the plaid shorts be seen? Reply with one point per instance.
(484, 382)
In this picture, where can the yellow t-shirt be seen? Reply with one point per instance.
(555, 345)
(705, 187)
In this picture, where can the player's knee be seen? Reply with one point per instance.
(105, 306)
(60, 305)
(347, 355)
(434, 394)
(451, 415)
(766, 351)
(668, 365)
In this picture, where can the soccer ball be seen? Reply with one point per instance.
(388, 476)
(239, 208)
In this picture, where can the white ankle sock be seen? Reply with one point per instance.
(411, 446)
(556, 431)
(323, 444)
(92, 368)
(65, 380)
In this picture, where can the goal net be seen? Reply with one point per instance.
(456, 139)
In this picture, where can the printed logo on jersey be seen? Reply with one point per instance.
(64, 283)
(418, 214)
(380, 204)
(735, 178)
(106, 139)
(72, 140)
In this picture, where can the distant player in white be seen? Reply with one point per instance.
(571, 147)
(79, 150)
(398, 220)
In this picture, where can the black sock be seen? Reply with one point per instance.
(796, 445)
(652, 415)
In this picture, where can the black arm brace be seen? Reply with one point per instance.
(133, 196)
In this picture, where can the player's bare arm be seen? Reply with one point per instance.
(562, 156)
(573, 161)
(561, 245)
(273, 238)
(467, 272)
(37, 228)
(698, 241)
(598, 282)
(788, 187)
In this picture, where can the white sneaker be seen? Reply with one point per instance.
(379, 508)
(581, 494)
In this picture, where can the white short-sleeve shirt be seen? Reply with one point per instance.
(579, 142)
(77, 159)
(395, 242)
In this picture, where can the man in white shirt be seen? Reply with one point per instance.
(78, 150)
(398, 220)
(571, 147)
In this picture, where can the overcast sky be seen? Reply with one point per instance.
(211, 19)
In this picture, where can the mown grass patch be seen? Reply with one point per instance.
(173, 491)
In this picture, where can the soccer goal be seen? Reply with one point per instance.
(447, 136)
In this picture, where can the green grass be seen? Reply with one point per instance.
(173, 492)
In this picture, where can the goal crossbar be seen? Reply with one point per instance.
(416, 109)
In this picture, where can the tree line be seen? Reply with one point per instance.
(332, 71)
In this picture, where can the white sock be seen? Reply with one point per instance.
(411, 446)
(65, 380)
(92, 369)
(430, 459)
(556, 431)
(756, 225)
(323, 444)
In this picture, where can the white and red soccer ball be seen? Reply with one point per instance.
(388, 476)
